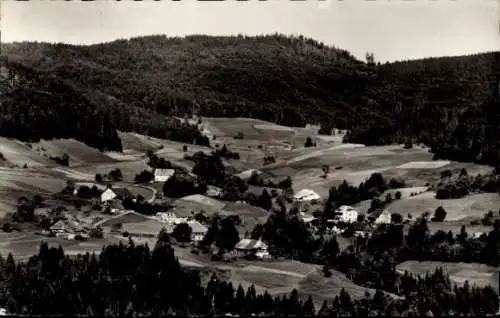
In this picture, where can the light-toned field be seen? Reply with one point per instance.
(124, 218)
(476, 274)
(266, 127)
(23, 245)
(129, 169)
(197, 203)
(137, 142)
(19, 153)
(474, 206)
(78, 152)
(424, 164)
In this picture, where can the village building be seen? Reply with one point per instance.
(256, 248)
(304, 198)
(213, 191)
(198, 231)
(162, 175)
(118, 193)
(306, 218)
(346, 214)
(170, 218)
(380, 216)
(67, 230)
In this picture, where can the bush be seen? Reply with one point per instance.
(144, 176)
(446, 174)
(398, 195)
(184, 148)
(64, 160)
(98, 178)
(6, 227)
(396, 218)
(388, 198)
(308, 143)
(395, 184)
(96, 233)
(116, 175)
(439, 215)
(268, 160)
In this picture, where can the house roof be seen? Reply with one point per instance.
(306, 194)
(66, 225)
(197, 227)
(249, 244)
(164, 172)
(122, 192)
(375, 214)
(344, 208)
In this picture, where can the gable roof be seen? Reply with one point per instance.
(249, 244)
(306, 194)
(122, 192)
(164, 172)
(197, 227)
(66, 225)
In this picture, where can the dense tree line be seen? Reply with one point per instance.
(36, 106)
(125, 280)
(458, 185)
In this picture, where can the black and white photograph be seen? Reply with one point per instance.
(250, 158)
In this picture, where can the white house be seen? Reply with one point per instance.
(384, 217)
(213, 191)
(162, 175)
(198, 231)
(346, 214)
(108, 195)
(170, 218)
(306, 195)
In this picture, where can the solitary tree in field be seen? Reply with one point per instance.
(308, 142)
(439, 215)
(326, 169)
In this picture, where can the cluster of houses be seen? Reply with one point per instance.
(343, 214)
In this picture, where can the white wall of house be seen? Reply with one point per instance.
(383, 218)
(349, 216)
(197, 237)
(108, 195)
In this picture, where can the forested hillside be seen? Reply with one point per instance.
(290, 80)
(450, 104)
(35, 106)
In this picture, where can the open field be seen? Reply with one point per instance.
(129, 169)
(78, 152)
(472, 206)
(196, 203)
(476, 274)
(20, 154)
(23, 245)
